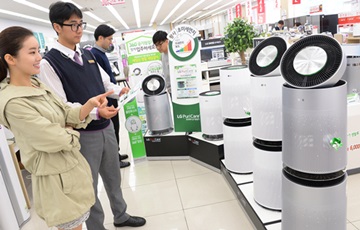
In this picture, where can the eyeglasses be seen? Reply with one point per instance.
(159, 44)
(75, 26)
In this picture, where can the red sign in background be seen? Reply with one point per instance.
(296, 2)
(261, 6)
(238, 11)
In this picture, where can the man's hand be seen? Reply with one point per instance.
(107, 112)
(124, 90)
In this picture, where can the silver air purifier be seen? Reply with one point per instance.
(236, 111)
(210, 115)
(314, 135)
(266, 84)
(157, 105)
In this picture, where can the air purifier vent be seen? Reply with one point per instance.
(153, 85)
(266, 57)
(314, 61)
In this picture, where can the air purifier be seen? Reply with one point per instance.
(238, 149)
(266, 85)
(314, 135)
(210, 115)
(235, 92)
(157, 105)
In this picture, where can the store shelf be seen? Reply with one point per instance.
(242, 186)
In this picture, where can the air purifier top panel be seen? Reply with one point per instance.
(210, 93)
(235, 67)
(265, 58)
(313, 62)
(153, 84)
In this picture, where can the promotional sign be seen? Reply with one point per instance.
(261, 7)
(230, 15)
(277, 4)
(248, 10)
(294, 2)
(238, 11)
(185, 77)
(143, 59)
(112, 2)
(316, 9)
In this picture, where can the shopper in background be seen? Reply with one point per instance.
(103, 37)
(280, 25)
(161, 43)
(42, 125)
(74, 74)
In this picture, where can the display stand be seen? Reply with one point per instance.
(165, 147)
(242, 186)
(209, 153)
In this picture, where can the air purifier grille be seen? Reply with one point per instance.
(313, 61)
(266, 57)
(153, 85)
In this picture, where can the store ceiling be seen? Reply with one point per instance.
(125, 10)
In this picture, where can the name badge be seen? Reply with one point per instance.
(91, 61)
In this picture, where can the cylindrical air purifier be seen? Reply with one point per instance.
(314, 135)
(235, 92)
(210, 115)
(351, 75)
(266, 84)
(267, 173)
(315, 128)
(157, 105)
(313, 201)
(238, 149)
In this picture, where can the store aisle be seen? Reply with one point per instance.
(182, 195)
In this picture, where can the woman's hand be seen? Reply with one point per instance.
(99, 101)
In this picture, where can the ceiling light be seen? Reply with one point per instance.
(94, 17)
(137, 12)
(211, 5)
(117, 16)
(173, 11)
(194, 14)
(210, 12)
(156, 11)
(32, 5)
(24, 16)
(190, 9)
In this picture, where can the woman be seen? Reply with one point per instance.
(42, 124)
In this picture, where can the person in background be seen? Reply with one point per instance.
(42, 125)
(299, 27)
(103, 37)
(75, 76)
(161, 43)
(280, 25)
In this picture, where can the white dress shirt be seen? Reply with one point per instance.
(49, 77)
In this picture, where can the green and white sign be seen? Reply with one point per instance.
(143, 60)
(185, 77)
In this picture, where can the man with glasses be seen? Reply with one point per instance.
(75, 76)
(161, 43)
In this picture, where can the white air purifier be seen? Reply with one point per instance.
(267, 165)
(235, 92)
(315, 61)
(351, 75)
(314, 202)
(157, 105)
(266, 107)
(210, 115)
(238, 147)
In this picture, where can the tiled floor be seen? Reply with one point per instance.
(182, 195)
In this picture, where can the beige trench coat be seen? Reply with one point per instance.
(61, 177)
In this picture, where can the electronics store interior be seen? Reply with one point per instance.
(223, 115)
